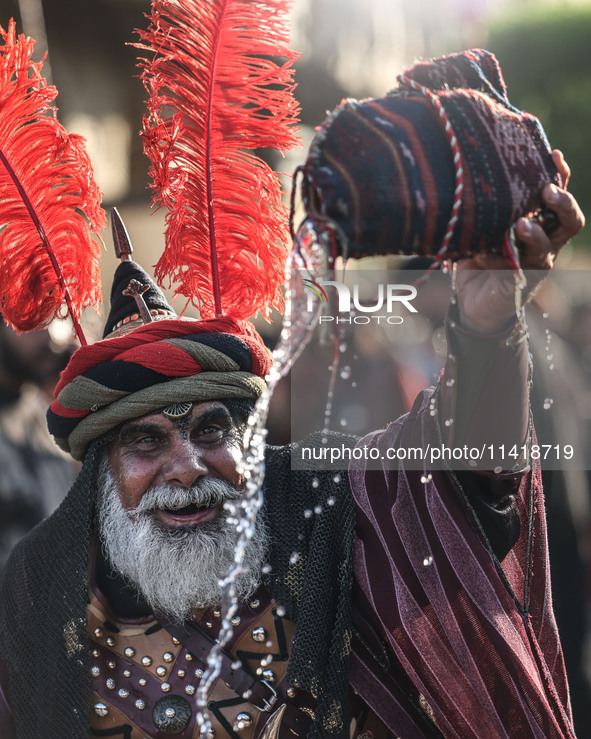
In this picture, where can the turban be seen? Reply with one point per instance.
(443, 162)
(153, 366)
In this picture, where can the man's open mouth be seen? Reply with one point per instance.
(188, 515)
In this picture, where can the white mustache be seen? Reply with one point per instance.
(205, 493)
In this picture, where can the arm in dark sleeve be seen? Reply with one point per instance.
(485, 390)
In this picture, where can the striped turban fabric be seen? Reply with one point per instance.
(385, 175)
(158, 364)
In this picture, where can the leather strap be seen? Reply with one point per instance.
(258, 692)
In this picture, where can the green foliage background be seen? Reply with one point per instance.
(545, 55)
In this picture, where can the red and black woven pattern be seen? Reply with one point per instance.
(443, 165)
(155, 365)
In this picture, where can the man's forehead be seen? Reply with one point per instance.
(196, 412)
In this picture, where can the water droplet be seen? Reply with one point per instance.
(426, 478)
(545, 315)
(330, 367)
(331, 501)
(307, 513)
(337, 478)
(280, 611)
(450, 383)
(266, 569)
(315, 482)
(548, 403)
(343, 422)
(551, 367)
(353, 384)
(343, 347)
(428, 561)
(346, 372)
(318, 510)
(550, 357)
(294, 558)
(449, 421)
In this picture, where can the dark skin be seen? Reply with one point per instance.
(155, 450)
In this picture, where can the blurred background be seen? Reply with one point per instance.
(349, 48)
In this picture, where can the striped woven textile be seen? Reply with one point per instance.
(167, 361)
(477, 639)
(442, 165)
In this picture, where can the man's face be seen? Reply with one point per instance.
(155, 450)
(164, 491)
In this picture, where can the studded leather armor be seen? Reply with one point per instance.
(145, 680)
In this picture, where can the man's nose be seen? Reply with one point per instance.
(184, 464)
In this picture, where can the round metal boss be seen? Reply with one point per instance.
(171, 714)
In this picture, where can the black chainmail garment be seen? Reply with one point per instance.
(43, 613)
(312, 517)
(44, 595)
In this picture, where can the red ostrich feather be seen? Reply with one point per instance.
(217, 92)
(49, 202)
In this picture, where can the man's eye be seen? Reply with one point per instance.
(210, 432)
(146, 442)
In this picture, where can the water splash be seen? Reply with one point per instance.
(298, 326)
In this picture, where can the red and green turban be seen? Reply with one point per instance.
(158, 364)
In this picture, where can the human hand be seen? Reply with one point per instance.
(486, 290)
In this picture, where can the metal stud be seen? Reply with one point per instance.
(110, 684)
(255, 603)
(165, 687)
(199, 673)
(95, 653)
(95, 671)
(100, 709)
(188, 656)
(140, 704)
(126, 673)
(269, 676)
(217, 613)
(123, 693)
(168, 656)
(171, 714)
(111, 664)
(243, 721)
(146, 661)
(161, 671)
(129, 651)
(259, 634)
(209, 624)
(143, 682)
(110, 641)
(181, 672)
(291, 693)
(175, 641)
(190, 689)
(235, 620)
(98, 633)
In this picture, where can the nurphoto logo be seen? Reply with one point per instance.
(353, 309)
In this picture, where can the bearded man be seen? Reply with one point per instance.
(407, 612)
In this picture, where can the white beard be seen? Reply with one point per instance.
(176, 570)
